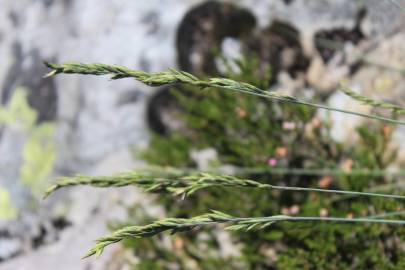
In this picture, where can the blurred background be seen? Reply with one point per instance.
(71, 124)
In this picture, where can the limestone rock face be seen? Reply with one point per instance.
(97, 120)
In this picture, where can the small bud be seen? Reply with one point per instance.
(294, 210)
(240, 112)
(178, 243)
(325, 182)
(291, 211)
(281, 152)
(316, 123)
(387, 131)
(347, 165)
(323, 212)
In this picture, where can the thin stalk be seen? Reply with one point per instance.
(389, 214)
(345, 192)
(397, 186)
(279, 171)
(319, 106)
(322, 172)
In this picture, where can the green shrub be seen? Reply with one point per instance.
(247, 131)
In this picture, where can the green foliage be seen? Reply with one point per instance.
(247, 131)
(176, 149)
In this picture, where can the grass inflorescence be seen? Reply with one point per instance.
(181, 184)
(174, 76)
(215, 217)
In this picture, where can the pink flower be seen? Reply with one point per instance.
(289, 125)
(272, 162)
(293, 210)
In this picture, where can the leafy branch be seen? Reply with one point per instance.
(186, 185)
(215, 217)
(174, 76)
